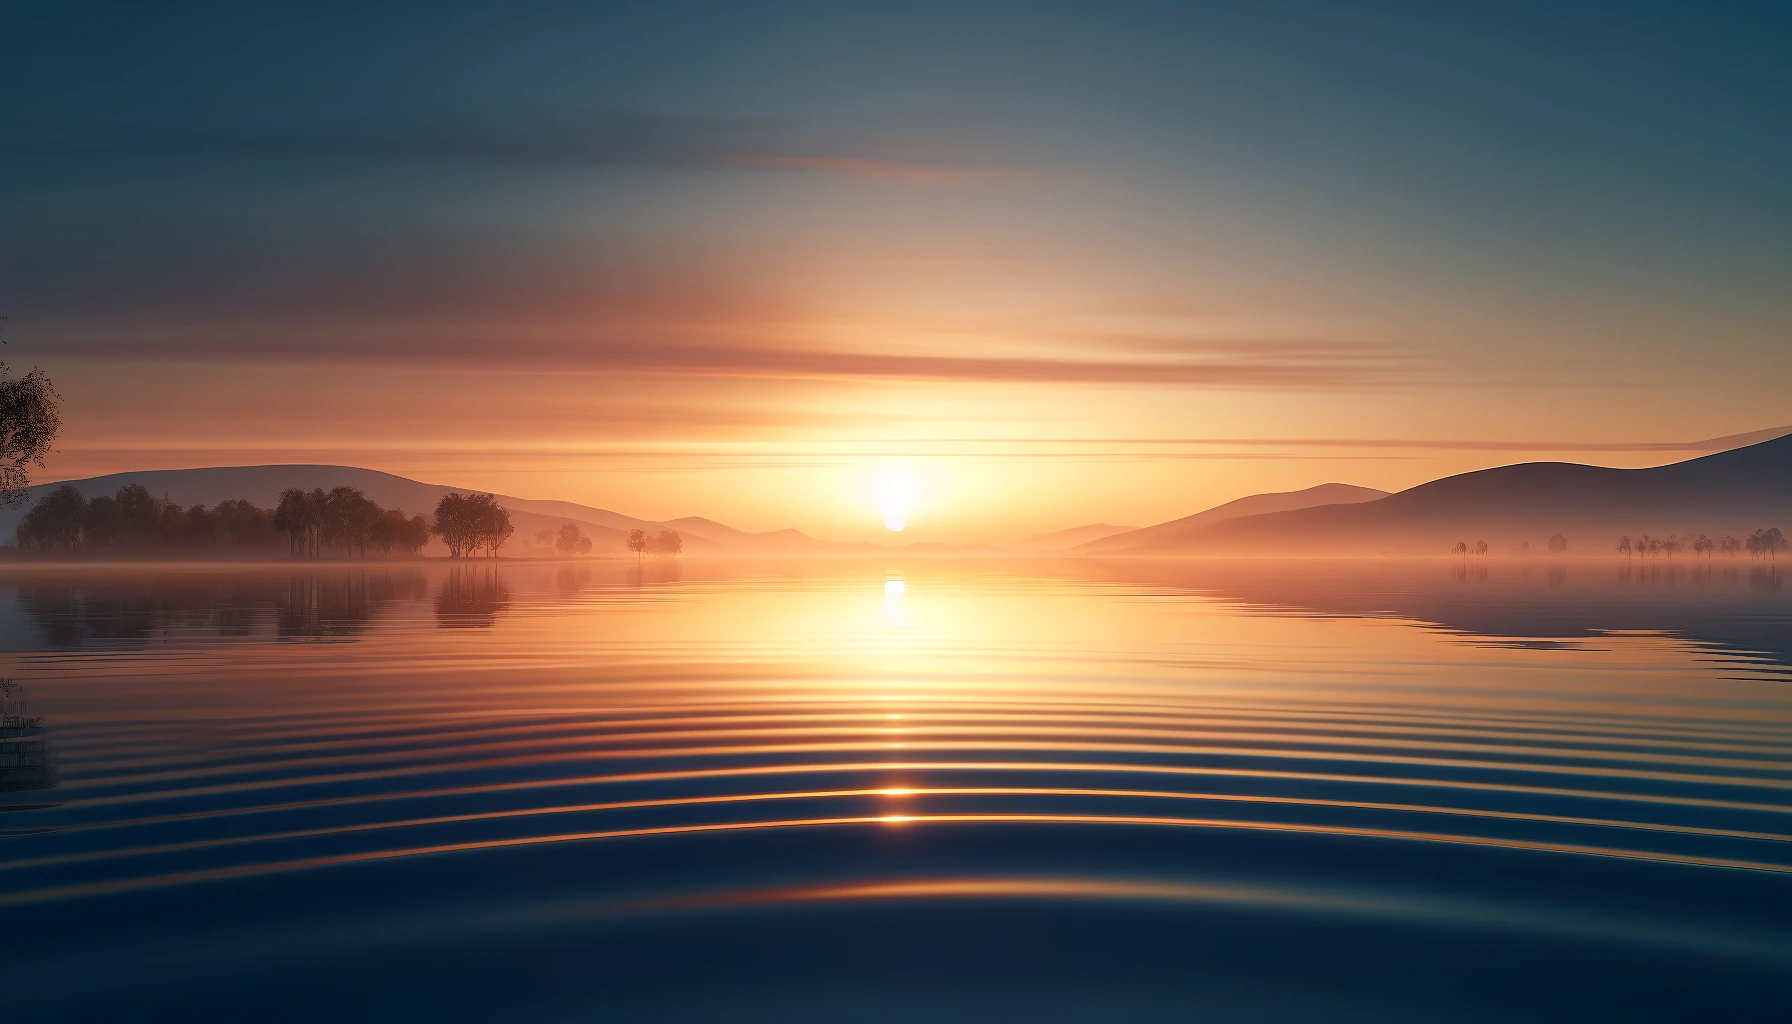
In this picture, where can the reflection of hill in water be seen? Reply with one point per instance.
(1740, 608)
(138, 609)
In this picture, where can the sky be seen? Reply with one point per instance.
(1027, 266)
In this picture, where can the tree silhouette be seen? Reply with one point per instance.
(29, 422)
(1481, 548)
(494, 524)
(571, 541)
(457, 524)
(392, 530)
(347, 520)
(1703, 546)
(1557, 544)
(637, 542)
(669, 543)
(1461, 548)
(134, 521)
(1624, 546)
(1772, 540)
(293, 518)
(55, 523)
(1730, 546)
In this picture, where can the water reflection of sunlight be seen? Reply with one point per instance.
(894, 589)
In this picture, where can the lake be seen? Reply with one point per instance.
(904, 790)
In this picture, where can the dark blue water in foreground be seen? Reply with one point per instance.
(927, 791)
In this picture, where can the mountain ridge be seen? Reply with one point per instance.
(1523, 504)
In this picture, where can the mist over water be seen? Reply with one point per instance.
(898, 791)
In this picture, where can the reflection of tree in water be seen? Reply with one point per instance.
(136, 610)
(667, 571)
(471, 596)
(24, 748)
(76, 614)
(328, 606)
(1470, 573)
(1764, 579)
(569, 580)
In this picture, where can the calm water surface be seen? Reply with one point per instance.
(921, 791)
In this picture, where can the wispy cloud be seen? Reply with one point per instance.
(1178, 447)
(895, 172)
(1223, 364)
(592, 140)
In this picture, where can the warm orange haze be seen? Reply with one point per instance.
(917, 512)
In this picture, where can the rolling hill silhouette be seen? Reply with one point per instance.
(1734, 492)
(1064, 540)
(1255, 504)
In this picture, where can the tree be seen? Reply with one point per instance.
(1772, 540)
(494, 523)
(669, 543)
(1671, 546)
(571, 541)
(468, 522)
(346, 520)
(545, 537)
(1557, 544)
(456, 523)
(637, 542)
(414, 535)
(387, 530)
(104, 525)
(1461, 548)
(29, 422)
(1703, 546)
(55, 522)
(1481, 549)
(240, 524)
(140, 516)
(1624, 546)
(1729, 546)
(296, 516)
(200, 529)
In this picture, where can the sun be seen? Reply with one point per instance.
(895, 496)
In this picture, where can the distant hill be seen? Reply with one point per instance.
(1064, 540)
(1734, 492)
(1255, 504)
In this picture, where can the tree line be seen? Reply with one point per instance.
(1557, 544)
(342, 522)
(346, 522)
(469, 523)
(1760, 544)
(133, 520)
(666, 542)
(569, 540)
